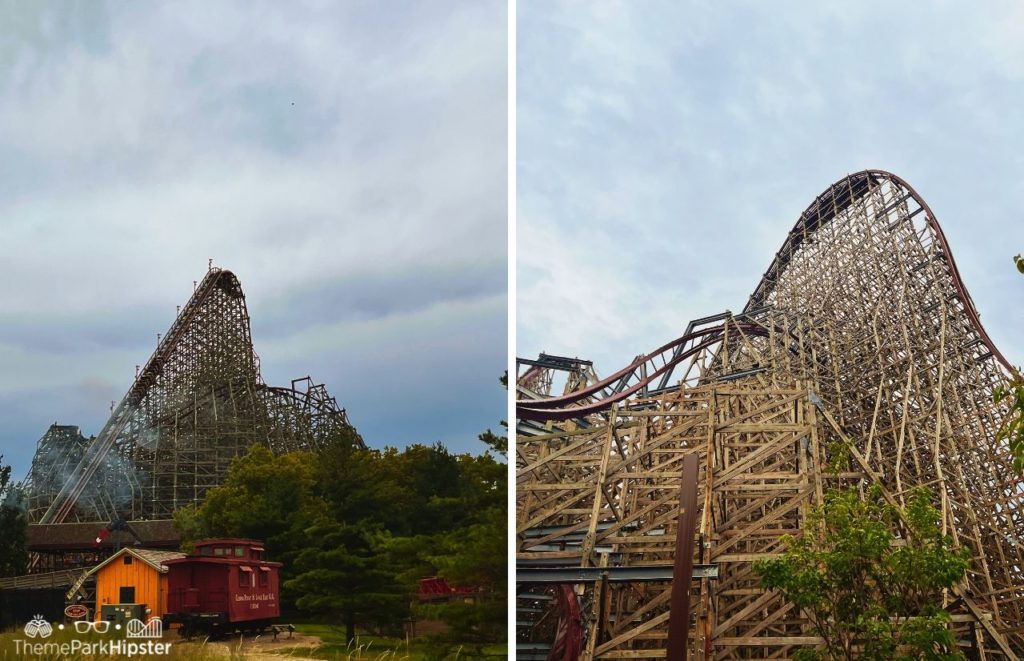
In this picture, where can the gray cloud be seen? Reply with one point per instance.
(75, 333)
(348, 162)
(370, 296)
(665, 151)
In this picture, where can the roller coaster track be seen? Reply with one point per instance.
(860, 335)
(198, 401)
(658, 365)
(634, 378)
(837, 199)
(121, 415)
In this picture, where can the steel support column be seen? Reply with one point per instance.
(682, 575)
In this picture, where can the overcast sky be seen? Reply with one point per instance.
(346, 160)
(666, 149)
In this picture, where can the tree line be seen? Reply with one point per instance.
(356, 528)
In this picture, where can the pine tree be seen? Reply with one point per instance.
(345, 573)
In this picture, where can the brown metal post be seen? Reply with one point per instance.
(682, 573)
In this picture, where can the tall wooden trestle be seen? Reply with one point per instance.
(197, 404)
(858, 359)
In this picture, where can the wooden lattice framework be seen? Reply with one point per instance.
(860, 337)
(198, 403)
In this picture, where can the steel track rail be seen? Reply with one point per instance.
(836, 199)
(622, 384)
(833, 201)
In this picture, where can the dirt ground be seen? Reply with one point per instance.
(429, 628)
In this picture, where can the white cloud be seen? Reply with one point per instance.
(666, 149)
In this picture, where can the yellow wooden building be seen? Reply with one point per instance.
(133, 576)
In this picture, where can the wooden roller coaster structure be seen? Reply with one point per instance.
(199, 402)
(858, 359)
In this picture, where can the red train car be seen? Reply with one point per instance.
(223, 587)
(435, 588)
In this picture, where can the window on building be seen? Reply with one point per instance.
(218, 551)
(127, 595)
(264, 578)
(206, 550)
(239, 551)
(127, 558)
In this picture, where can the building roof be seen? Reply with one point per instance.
(226, 561)
(153, 557)
(242, 541)
(49, 580)
(80, 536)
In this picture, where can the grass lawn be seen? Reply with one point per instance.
(333, 647)
(377, 647)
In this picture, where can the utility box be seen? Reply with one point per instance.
(121, 613)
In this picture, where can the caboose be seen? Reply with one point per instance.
(223, 587)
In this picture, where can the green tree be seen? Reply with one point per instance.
(412, 492)
(1013, 393)
(359, 485)
(356, 528)
(867, 596)
(476, 554)
(14, 524)
(190, 526)
(345, 573)
(263, 497)
(435, 479)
